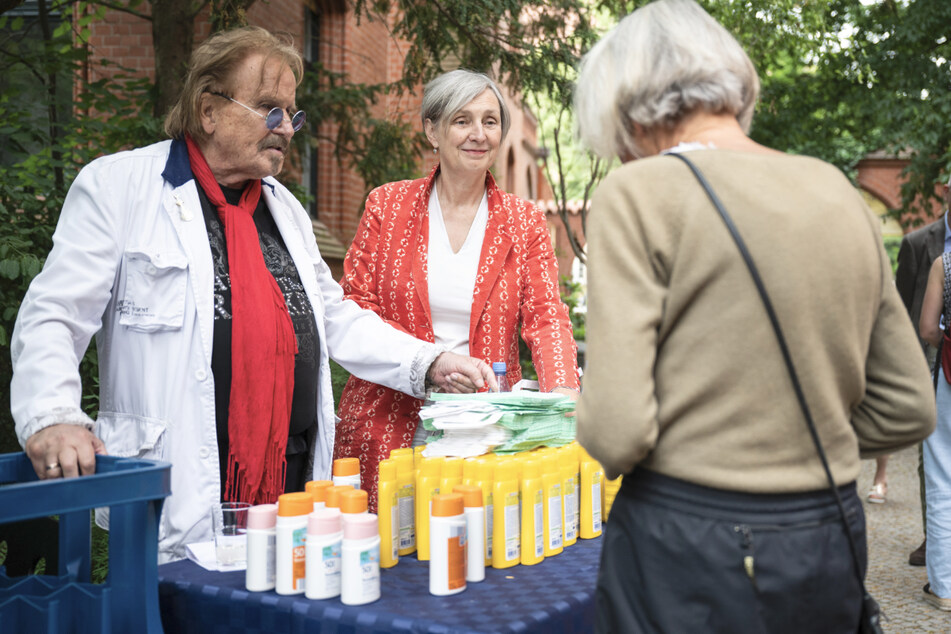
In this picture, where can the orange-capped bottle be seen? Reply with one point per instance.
(290, 549)
(347, 471)
(332, 495)
(447, 545)
(353, 501)
(318, 489)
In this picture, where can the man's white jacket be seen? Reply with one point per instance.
(131, 264)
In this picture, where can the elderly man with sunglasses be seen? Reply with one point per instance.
(214, 314)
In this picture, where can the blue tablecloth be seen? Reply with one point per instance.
(556, 595)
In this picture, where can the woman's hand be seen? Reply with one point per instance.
(64, 451)
(932, 304)
(456, 374)
(567, 391)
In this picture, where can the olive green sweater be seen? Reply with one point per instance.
(684, 375)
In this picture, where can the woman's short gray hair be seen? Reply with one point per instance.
(448, 93)
(665, 60)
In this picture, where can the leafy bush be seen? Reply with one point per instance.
(50, 134)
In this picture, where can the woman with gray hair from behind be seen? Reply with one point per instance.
(452, 258)
(725, 520)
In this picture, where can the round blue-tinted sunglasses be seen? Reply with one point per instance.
(272, 119)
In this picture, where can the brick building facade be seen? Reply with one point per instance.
(366, 52)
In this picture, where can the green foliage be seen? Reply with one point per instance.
(338, 379)
(379, 150)
(99, 554)
(892, 244)
(572, 294)
(52, 134)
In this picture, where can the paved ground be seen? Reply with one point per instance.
(894, 530)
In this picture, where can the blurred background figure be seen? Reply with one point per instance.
(935, 310)
(917, 252)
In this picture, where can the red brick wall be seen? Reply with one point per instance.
(124, 39)
(882, 177)
(365, 52)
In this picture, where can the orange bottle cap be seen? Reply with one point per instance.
(290, 504)
(388, 469)
(471, 495)
(346, 466)
(332, 500)
(354, 501)
(318, 489)
(448, 505)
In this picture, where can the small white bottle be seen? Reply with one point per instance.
(324, 543)
(474, 514)
(447, 545)
(347, 471)
(360, 574)
(262, 537)
(290, 551)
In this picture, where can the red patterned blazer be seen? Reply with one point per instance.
(516, 286)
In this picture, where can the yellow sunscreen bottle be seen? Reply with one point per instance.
(592, 480)
(553, 501)
(406, 494)
(533, 514)
(418, 455)
(569, 475)
(427, 486)
(505, 524)
(451, 474)
(388, 514)
(485, 468)
(469, 466)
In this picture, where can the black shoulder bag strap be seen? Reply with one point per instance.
(871, 613)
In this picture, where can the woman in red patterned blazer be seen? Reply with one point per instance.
(453, 259)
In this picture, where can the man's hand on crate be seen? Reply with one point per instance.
(64, 451)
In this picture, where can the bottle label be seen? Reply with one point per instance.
(571, 509)
(370, 570)
(596, 504)
(407, 516)
(539, 511)
(456, 551)
(270, 569)
(511, 509)
(489, 521)
(330, 558)
(395, 527)
(554, 522)
(299, 557)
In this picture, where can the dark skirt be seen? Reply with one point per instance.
(679, 557)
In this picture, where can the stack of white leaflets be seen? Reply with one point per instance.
(468, 425)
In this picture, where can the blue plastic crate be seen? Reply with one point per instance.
(134, 491)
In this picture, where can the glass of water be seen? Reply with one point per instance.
(230, 521)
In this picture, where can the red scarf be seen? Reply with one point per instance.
(263, 346)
